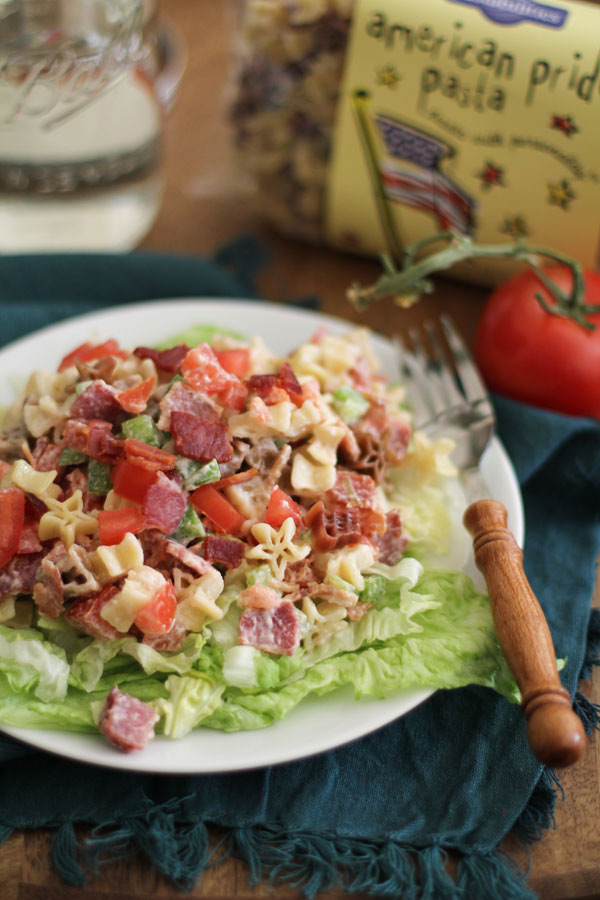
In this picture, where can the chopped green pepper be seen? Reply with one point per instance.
(190, 526)
(70, 457)
(143, 428)
(194, 473)
(99, 477)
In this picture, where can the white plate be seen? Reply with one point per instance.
(315, 725)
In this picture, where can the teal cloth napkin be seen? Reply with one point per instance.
(377, 815)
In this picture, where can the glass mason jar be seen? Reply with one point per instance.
(83, 89)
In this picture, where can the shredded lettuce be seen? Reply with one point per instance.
(90, 664)
(191, 698)
(200, 334)
(33, 665)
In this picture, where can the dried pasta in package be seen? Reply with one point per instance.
(370, 126)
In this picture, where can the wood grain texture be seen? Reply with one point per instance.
(554, 730)
(200, 212)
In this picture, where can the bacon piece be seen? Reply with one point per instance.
(273, 388)
(272, 630)
(154, 545)
(236, 478)
(186, 555)
(332, 529)
(228, 552)
(262, 384)
(49, 592)
(392, 543)
(183, 398)
(358, 493)
(127, 722)
(398, 440)
(164, 504)
(169, 642)
(352, 489)
(19, 575)
(29, 542)
(361, 375)
(147, 457)
(93, 437)
(46, 455)
(168, 360)
(200, 439)
(98, 401)
(300, 573)
(260, 596)
(290, 384)
(85, 615)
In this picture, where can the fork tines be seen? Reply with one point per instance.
(439, 373)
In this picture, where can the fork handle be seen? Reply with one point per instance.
(554, 731)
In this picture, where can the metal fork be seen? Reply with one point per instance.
(449, 398)
(448, 395)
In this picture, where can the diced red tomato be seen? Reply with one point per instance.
(203, 370)
(282, 507)
(88, 352)
(234, 396)
(235, 361)
(224, 517)
(114, 524)
(147, 457)
(237, 478)
(135, 399)
(158, 616)
(131, 481)
(12, 519)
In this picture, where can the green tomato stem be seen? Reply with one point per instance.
(407, 284)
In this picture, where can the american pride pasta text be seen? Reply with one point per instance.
(205, 534)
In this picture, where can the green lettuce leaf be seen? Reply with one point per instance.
(191, 698)
(199, 334)
(441, 635)
(31, 664)
(93, 662)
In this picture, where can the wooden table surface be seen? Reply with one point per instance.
(201, 211)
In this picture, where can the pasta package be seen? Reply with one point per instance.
(370, 125)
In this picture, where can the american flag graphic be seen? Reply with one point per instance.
(428, 189)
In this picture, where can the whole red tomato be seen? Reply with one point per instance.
(534, 356)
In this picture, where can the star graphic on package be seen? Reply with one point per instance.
(490, 175)
(560, 194)
(564, 124)
(388, 76)
(515, 227)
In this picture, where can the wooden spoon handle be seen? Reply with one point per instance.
(554, 731)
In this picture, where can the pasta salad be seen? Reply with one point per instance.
(206, 533)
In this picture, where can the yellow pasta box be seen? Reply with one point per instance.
(479, 116)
